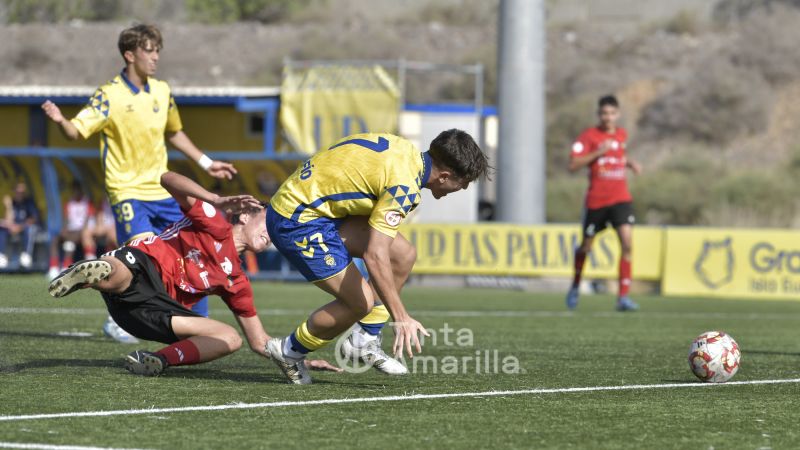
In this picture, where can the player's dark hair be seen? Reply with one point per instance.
(138, 36)
(233, 219)
(607, 100)
(456, 150)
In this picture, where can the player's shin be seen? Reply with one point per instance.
(624, 276)
(371, 325)
(301, 342)
(181, 353)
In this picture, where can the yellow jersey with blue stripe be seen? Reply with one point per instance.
(371, 174)
(132, 123)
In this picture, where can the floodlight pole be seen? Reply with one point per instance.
(521, 149)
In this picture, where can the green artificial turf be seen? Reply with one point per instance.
(43, 372)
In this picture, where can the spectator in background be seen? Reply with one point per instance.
(102, 229)
(78, 212)
(21, 218)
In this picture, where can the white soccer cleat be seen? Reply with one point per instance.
(79, 275)
(115, 332)
(142, 362)
(295, 370)
(371, 354)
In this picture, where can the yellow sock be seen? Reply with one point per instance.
(307, 341)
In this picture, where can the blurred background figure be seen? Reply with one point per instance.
(102, 230)
(21, 219)
(78, 213)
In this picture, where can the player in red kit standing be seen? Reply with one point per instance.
(602, 149)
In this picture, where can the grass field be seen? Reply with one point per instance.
(42, 372)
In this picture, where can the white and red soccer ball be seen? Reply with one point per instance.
(714, 357)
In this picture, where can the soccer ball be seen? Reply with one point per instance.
(714, 357)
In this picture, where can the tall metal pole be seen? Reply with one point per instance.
(521, 154)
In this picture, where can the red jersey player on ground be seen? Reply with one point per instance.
(150, 284)
(602, 149)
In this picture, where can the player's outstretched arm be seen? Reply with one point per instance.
(54, 113)
(257, 339)
(217, 169)
(186, 192)
(377, 258)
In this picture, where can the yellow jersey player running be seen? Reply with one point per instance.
(133, 113)
(348, 201)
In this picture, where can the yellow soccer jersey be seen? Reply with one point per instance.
(375, 175)
(132, 123)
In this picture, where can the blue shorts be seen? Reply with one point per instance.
(314, 248)
(134, 217)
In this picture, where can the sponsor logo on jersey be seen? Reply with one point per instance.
(194, 256)
(227, 266)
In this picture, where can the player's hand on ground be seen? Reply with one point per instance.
(321, 364)
(406, 337)
(221, 169)
(52, 111)
(236, 204)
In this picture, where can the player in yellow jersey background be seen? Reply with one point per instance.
(348, 201)
(133, 112)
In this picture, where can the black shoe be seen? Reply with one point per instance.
(79, 275)
(142, 362)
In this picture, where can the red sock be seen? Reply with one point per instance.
(181, 353)
(624, 276)
(580, 257)
(54, 261)
(89, 252)
(67, 260)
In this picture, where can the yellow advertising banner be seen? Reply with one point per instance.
(323, 104)
(732, 263)
(535, 250)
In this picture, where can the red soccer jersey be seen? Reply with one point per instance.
(607, 177)
(197, 257)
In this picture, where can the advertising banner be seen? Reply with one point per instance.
(732, 263)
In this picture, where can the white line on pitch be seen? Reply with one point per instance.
(445, 313)
(55, 447)
(390, 398)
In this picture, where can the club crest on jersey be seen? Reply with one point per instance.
(227, 266)
(218, 247)
(194, 256)
(156, 108)
(330, 260)
(393, 218)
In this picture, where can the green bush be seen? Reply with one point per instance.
(565, 198)
(53, 11)
(714, 106)
(227, 11)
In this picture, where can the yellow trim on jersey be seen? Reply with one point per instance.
(131, 123)
(371, 174)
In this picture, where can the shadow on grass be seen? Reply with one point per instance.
(31, 334)
(50, 363)
(194, 372)
(769, 352)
